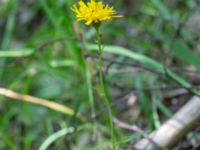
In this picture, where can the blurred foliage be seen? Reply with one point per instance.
(41, 54)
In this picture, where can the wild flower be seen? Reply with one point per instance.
(94, 12)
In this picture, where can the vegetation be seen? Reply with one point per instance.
(51, 95)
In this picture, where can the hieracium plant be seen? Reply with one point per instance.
(93, 13)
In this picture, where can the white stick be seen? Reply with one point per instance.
(174, 129)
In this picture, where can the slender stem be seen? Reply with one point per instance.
(103, 91)
(86, 68)
(88, 77)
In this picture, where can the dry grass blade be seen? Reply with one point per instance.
(38, 101)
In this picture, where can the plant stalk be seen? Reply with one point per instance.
(102, 86)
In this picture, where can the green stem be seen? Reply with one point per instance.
(10, 25)
(103, 91)
(86, 69)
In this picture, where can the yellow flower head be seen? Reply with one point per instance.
(93, 12)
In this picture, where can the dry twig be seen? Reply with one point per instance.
(135, 128)
(175, 128)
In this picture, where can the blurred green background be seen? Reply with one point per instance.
(41, 54)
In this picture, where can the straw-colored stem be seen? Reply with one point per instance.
(38, 101)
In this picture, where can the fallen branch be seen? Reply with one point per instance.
(174, 129)
(135, 128)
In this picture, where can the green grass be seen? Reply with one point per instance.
(45, 53)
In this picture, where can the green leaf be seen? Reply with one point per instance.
(164, 11)
(133, 55)
(146, 61)
(62, 63)
(183, 52)
(55, 136)
(164, 109)
(16, 52)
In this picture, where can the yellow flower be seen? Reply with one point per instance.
(94, 12)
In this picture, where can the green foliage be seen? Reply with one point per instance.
(44, 52)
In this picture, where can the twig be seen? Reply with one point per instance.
(175, 128)
(135, 128)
